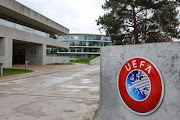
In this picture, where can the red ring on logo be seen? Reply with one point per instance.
(155, 97)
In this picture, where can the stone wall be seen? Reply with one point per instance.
(166, 56)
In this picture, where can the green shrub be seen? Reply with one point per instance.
(84, 60)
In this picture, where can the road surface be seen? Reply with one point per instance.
(66, 95)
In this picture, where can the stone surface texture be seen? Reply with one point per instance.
(166, 56)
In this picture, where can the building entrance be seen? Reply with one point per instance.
(19, 56)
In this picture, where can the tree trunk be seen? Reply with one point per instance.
(135, 26)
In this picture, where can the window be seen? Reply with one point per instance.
(89, 37)
(24, 28)
(78, 49)
(71, 43)
(83, 43)
(85, 50)
(72, 49)
(90, 43)
(97, 37)
(41, 33)
(77, 43)
(6, 23)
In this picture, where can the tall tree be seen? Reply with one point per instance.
(167, 17)
(131, 21)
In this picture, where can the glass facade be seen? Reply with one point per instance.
(77, 56)
(82, 45)
(84, 37)
(22, 28)
(97, 50)
(88, 43)
(51, 51)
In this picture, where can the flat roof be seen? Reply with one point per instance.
(16, 12)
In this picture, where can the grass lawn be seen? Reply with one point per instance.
(84, 60)
(70, 63)
(7, 72)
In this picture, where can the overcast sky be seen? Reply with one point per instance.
(77, 15)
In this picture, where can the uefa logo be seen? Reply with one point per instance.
(33, 52)
(138, 85)
(141, 86)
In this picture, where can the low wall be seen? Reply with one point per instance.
(166, 56)
(56, 59)
(95, 61)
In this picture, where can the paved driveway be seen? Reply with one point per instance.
(66, 95)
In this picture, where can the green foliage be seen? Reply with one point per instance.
(53, 36)
(137, 21)
(70, 63)
(7, 72)
(84, 60)
(167, 17)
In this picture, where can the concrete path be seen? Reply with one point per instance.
(40, 69)
(66, 95)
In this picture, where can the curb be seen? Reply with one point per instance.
(38, 75)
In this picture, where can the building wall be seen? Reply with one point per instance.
(33, 58)
(8, 35)
(29, 37)
(83, 45)
(6, 45)
(19, 14)
(166, 56)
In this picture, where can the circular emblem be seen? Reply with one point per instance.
(33, 51)
(141, 86)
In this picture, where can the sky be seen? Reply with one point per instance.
(77, 15)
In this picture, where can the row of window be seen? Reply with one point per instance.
(23, 28)
(51, 50)
(87, 43)
(77, 55)
(83, 37)
(97, 50)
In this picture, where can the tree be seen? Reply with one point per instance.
(132, 21)
(53, 36)
(167, 17)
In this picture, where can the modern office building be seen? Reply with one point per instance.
(83, 45)
(26, 34)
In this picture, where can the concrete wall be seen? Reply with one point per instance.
(38, 58)
(6, 46)
(166, 56)
(56, 59)
(29, 37)
(35, 59)
(7, 35)
(95, 61)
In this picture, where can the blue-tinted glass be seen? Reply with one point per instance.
(41, 33)
(72, 49)
(6, 23)
(24, 28)
(97, 37)
(83, 43)
(78, 49)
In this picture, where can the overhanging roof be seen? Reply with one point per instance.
(16, 12)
